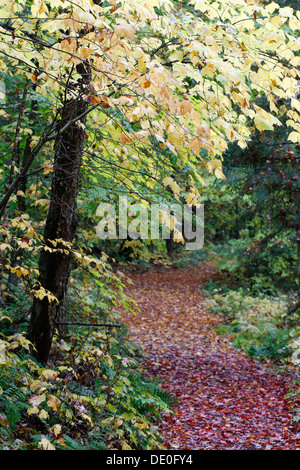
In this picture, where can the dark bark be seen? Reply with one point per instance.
(170, 245)
(54, 265)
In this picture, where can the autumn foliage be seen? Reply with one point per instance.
(102, 99)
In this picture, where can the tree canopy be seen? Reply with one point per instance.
(180, 77)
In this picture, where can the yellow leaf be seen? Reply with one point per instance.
(168, 181)
(36, 385)
(142, 65)
(61, 441)
(87, 418)
(141, 425)
(294, 137)
(38, 8)
(178, 237)
(124, 138)
(32, 411)
(141, 59)
(53, 402)
(262, 124)
(46, 444)
(216, 166)
(69, 414)
(145, 82)
(186, 107)
(48, 169)
(126, 446)
(196, 145)
(126, 31)
(36, 400)
(50, 374)
(44, 414)
(41, 292)
(191, 199)
(208, 71)
(199, 177)
(85, 52)
(203, 131)
(3, 246)
(219, 173)
(56, 429)
(176, 55)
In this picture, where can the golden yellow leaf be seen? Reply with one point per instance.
(36, 385)
(186, 107)
(216, 166)
(36, 400)
(125, 30)
(126, 446)
(219, 173)
(44, 414)
(46, 444)
(145, 82)
(33, 410)
(142, 65)
(176, 55)
(53, 402)
(61, 441)
(124, 138)
(168, 181)
(50, 374)
(262, 124)
(56, 429)
(293, 136)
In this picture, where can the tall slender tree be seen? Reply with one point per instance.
(55, 259)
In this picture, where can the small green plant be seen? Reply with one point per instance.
(255, 323)
(92, 395)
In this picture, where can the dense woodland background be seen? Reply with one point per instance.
(81, 385)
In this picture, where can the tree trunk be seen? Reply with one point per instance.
(170, 245)
(54, 263)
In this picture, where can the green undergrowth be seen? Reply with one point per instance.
(258, 315)
(91, 395)
(256, 324)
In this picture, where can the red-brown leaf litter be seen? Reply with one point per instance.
(226, 400)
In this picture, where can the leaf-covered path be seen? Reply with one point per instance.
(225, 399)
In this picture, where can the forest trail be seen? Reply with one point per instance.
(225, 399)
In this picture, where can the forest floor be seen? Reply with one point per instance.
(226, 400)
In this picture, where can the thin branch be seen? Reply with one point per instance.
(16, 138)
(23, 171)
(18, 126)
(77, 323)
(164, 44)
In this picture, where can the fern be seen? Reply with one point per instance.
(13, 400)
(163, 395)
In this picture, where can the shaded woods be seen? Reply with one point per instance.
(128, 339)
